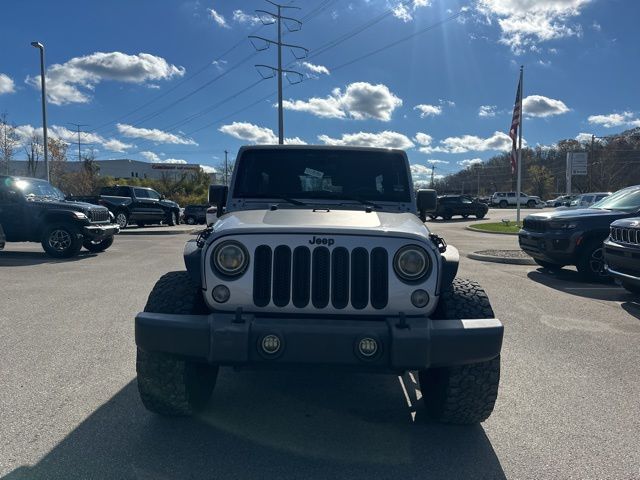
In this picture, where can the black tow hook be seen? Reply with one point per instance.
(402, 322)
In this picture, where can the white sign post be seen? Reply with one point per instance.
(576, 165)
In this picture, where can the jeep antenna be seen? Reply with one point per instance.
(261, 43)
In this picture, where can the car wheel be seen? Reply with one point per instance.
(169, 385)
(503, 204)
(465, 216)
(190, 221)
(531, 204)
(62, 241)
(480, 216)
(447, 215)
(462, 394)
(591, 262)
(173, 219)
(122, 219)
(547, 265)
(99, 246)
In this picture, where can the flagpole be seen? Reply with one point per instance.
(519, 182)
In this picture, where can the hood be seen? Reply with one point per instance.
(594, 216)
(627, 223)
(319, 221)
(67, 205)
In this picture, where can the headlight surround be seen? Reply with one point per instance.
(230, 258)
(411, 263)
(561, 225)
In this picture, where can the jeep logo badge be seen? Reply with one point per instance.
(322, 241)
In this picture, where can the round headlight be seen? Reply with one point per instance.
(230, 258)
(411, 263)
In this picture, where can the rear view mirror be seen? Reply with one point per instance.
(427, 202)
(218, 197)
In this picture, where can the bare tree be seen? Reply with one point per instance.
(57, 159)
(9, 141)
(34, 151)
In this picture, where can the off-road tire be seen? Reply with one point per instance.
(122, 218)
(172, 219)
(446, 215)
(503, 204)
(169, 385)
(73, 243)
(547, 265)
(463, 394)
(465, 215)
(479, 216)
(589, 255)
(97, 247)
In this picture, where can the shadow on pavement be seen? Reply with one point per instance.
(19, 259)
(569, 281)
(272, 425)
(632, 307)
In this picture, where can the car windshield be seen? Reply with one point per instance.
(37, 189)
(627, 200)
(349, 175)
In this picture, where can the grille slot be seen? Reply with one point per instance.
(359, 278)
(340, 277)
(534, 225)
(99, 215)
(625, 235)
(281, 275)
(379, 278)
(262, 276)
(320, 277)
(301, 277)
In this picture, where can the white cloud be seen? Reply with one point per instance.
(256, 134)
(386, 139)
(584, 137)
(241, 17)
(218, 18)
(360, 100)
(541, 106)
(427, 110)
(487, 111)
(614, 120)
(404, 10)
(116, 145)
(25, 132)
(173, 160)
(434, 161)
(208, 169)
(153, 134)
(420, 173)
(6, 84)
(470, 162)
(150, 156)
(72, 81)
(316, 68)
(499, 141)
(423, 139)
(525, 23)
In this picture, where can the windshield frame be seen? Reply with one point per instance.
(605, 203)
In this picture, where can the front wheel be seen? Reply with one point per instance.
(503, 204)
(122, 219)
(461, 394)
(479, 216)
(531, 204)
(170, 385)
(61, 241)
(591, 262)
(190, 221)
(173, 219)
(99, 246)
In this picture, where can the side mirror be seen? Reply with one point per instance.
(162, 197)
(218, 197)
(427, 202)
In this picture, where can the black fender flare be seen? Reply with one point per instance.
(62, 216)
(450, 263)
(193, 261)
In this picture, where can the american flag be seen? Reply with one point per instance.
(513, 131)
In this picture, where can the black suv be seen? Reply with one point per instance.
(622, 253)
(195, 214)
(450, 205)
(574, 237)
(33, 210)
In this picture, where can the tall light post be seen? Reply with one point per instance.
(40, 47)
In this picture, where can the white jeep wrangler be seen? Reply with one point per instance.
(319, 258)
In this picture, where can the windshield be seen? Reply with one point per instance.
(626, 200)
(38, 189)
(348, 175)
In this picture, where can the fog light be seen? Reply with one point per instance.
(270, 344)
(367, 347)
(221, 293)
(419, 298)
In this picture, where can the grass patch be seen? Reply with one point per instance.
(501, 227)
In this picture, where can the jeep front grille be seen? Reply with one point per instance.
(358, 277)
(99, 215)
(534, 225)
(625, 235)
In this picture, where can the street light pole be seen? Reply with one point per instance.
(40, 47)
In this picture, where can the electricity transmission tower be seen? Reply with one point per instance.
(78, 125)
(292, 25)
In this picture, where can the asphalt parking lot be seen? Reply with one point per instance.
(568, 405)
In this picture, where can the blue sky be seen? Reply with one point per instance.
(142, 75)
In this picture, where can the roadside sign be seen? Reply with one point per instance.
(578, 162)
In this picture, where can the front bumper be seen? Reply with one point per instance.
(236, 339)
(100, 232)
(552, 246)
(622, 262)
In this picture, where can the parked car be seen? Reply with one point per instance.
(195, 214)
(450, 205)
(2, 238)
(140, 205)
(561, 201)
(320, 260)
(574, 237)
(539, 202)
(33, 210)
(622, 253)
(587, 199)
(509, 199)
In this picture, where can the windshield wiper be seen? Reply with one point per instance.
(361, 200)
(290, 200)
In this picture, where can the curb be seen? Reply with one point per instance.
(494, 259)
(470, 228)
(158, 232)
